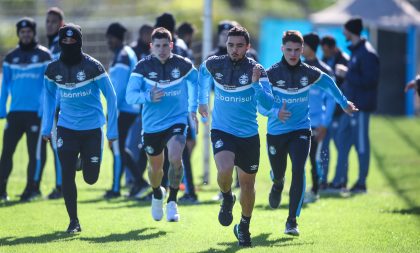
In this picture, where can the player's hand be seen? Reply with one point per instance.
(156, 94)
(203, 110)
(284, 114)
(410, 85)
(46, 137)
(193, 116)
(350, 108)
(256, 72)
(320, 133)
(341, 70)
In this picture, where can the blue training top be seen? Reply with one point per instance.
(291, 86)
(177, 78)
(23, 78)
(236, 97)
(80, 101)
(120, 70)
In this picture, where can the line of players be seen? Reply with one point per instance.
(171, 90)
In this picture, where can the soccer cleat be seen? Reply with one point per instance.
(74, 227)
(310, 197)
(29, 195)
(274, 198)
(243, 236)
(225, 213)
(291, 227)
(110, 194)
(172, 214)
(4, 197)
(358, 188)
(189, 199)
(157, 206)
(56, 193)
(336, 188)
(137, 191)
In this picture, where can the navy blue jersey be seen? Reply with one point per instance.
(120, 70)
(23, 78)
(291, 86)
(177, 77)
(235, 96)
(80, 102)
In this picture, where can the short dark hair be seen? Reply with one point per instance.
(328, 41)
(239, 31)
(56, 11)
(185, 28)
(161, 33)
(293, 36)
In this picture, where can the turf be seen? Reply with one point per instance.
(386, 219)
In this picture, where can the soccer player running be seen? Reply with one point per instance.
(240, 84)
(120, 69)
(23, 71)
(166, 85)
(79, 78)
(321, 110)
(288, 121)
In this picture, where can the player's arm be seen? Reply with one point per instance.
(261, 85)
(118, 75)
(192, 80)
(205, 81)
(4, 94)
(104, 84)
(50, 90)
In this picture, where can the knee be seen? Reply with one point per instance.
(247, 186)
(91, 179)
(175, 159)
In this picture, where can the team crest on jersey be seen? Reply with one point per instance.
(243, 79)
(281, 83)
(35, 58)
(15, 60)
(81, 76)
(304, 81)
(218, 76)
(175, 73)
(152, 75)
(218, 144)
(69, 33)
(58, 78)
(272, 150)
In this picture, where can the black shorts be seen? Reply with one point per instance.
(246, 150)
(154, 143)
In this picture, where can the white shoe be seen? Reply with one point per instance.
(172, 211)
(157, 206)
(310, 197)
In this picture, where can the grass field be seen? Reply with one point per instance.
(387, 219)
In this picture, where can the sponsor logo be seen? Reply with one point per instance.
(281, 83)
(172, 93)
(278, 99)
(175, 73)
(272, 150)
(26, 75)
(218, 76)
(218, 144)
(59, 142)
(152, 75)
(35, 58)
(58, 78)
(243, 79)
(303, 137)
(76, 94)
(177, 130)
(34, 128)
(304, 81)
(94, 159)
(233, 98)
(69, 33)
(15, 60)
(81, 76)
(149, 150)
(253, 167)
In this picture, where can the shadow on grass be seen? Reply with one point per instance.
(259, 241)
(413, 211)
(406, 137)
(138, 234)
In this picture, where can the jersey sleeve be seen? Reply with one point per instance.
(192, 80)
(5, 89)
(118, 75)
(326, 83)
(104, 83)
(49, 94)
(136, 93)
(263, 92)
(205, 82)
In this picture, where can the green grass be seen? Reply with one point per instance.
(387, 219)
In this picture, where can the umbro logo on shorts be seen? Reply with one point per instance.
(94, 159)
(254, 167)
(218, 144)
(177, 130)
(303, 137)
